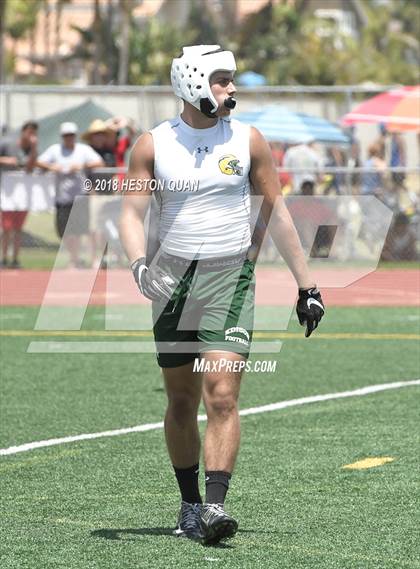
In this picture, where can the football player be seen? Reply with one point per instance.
(202, 282)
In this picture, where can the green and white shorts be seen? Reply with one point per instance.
(212, 308)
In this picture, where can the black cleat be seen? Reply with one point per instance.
(189, 521)
(216, 524)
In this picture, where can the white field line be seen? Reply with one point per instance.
(251, 411)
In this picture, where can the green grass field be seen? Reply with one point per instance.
(111, 503)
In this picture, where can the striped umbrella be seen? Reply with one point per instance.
(279, 124)
(398, 110)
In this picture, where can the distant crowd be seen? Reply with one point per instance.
(105, 145)
(302, 171)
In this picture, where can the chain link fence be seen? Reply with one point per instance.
(341, 214)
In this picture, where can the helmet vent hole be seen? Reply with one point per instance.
(195, 68)
(198, 87)
(202, 74)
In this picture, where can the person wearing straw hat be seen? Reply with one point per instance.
(119, 138)
(96, 137)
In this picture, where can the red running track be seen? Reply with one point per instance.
(275, 287)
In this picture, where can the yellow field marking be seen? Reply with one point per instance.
(39, 460)
(81, 523)
(368, 463)
(266, 335)
(69, 521)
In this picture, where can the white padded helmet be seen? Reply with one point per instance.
(190, 74)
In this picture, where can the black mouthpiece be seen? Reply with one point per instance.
(230, 103)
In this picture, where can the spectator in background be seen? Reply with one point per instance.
(314, 221)
(397, 159)
(372, 184)
(335, 180)
(69, 160)
(277, 151)
(97, 138)
(375, 167)
(354, 157)
(120, 136)
(380, 142)
(400, 243)
(304, 164)
(19, 153)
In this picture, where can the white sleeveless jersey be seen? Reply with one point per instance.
(205, 201)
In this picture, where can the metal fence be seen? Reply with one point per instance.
(344, 214)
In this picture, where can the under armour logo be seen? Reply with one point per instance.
(203, 149)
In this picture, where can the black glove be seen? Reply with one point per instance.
(310, 309)
(153, 283)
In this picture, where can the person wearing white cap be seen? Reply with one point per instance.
(306, 163)
(202, 284)
(68, 128)
(69, 160)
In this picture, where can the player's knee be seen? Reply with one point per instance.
(221, 405)
(182, 406)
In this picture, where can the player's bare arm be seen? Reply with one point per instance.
(152, 282)
(136, 203)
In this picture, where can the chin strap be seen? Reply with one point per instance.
(207, 107)
(230, 103)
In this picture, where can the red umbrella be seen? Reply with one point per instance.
(398, 109)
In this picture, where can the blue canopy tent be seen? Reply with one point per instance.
(279, 124)
(251, 79)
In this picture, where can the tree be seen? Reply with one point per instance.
(97, 44)
(98, 48)
(20, 18)
(327, 58)
(289, 45)
(388, 52)
(125, 7)
(202, 24)
(2, 49)
(59, 5)
(264, 42)
(152, 48)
